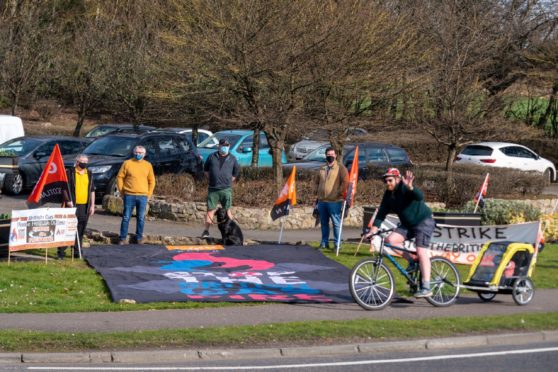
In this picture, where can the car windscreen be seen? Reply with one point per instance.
(100, 131)
(112, 146)
(397, 155)
(210, 142)
(316, 154)
(477, 150)
(18, 147)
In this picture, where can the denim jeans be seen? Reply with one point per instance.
(140, 203)
(330, 210)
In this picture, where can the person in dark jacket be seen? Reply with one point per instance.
(81, 196)
(404, 199)
(222, 169)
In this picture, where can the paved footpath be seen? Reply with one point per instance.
(546, 300)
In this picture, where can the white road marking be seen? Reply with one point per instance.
(308, 365)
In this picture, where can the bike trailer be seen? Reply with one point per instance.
(503, 267)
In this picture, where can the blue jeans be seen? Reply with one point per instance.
(330, 210)
(140, 203)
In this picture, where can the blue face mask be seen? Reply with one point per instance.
(224, 150)
(138, 156)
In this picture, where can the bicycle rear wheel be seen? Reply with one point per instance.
(371, 284)
(444, 281)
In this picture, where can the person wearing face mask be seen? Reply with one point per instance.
(331, 182)
(81, 195)
(136, 182)
(222, 169)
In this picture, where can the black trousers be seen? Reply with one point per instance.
(82, 215)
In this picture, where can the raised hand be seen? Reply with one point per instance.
(408, 179)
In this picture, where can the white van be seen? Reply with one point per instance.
(10, 127)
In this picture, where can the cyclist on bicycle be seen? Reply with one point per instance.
(405, 200)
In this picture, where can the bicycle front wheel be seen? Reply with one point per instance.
(444, 281)
(371, 284)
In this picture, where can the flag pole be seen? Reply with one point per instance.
(281, 231)
(338, 243)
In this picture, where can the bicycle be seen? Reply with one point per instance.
(372, 284)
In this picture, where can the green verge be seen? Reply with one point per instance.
(296, 333)
(66, 286)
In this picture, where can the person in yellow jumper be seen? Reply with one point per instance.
(81, 195)
(136, 182)
(331, 183)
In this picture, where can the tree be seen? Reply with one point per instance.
(26, 43)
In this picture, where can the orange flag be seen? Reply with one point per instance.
(479, 197)
(286, 199)
(353, 179)
(53, 181)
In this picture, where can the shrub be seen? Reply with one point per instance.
(550, 226)
(505, 212)
(256, 187)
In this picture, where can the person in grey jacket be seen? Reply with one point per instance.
(222, 169)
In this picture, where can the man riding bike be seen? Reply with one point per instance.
(407, 201)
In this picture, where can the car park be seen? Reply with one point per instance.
(370, 155)
(167, 151)
(242, 144)
(104, 129)
(506, 155)
(203, 134)
(22, 159)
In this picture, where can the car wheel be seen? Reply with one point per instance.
(188, 185)
(112, 188)
(13, 183)
(548, 176)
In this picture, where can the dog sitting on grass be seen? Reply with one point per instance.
(230, 231)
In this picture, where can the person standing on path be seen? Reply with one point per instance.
(222, 169)
(331, 182)
(81, 195)
(136, 182)
(404, 199)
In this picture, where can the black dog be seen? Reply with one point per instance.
(230, 231)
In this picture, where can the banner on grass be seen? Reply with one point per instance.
(42, 228)
(278, 273)
(461, 244)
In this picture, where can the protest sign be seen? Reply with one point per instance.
(42, 228)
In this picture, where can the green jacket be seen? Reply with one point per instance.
(407, 204)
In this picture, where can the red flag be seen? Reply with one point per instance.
(479, 197)
(286, 199)
(53, 181)
(353, 179)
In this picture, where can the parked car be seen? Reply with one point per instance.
(241, 147)
(104, 129)
(203, 134)
(22, 159)
(318, 138)
(370, 155)
(506, 155)
(167, 151)
(10, 127)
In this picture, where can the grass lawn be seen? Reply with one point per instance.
(295, 333)
(65, 286)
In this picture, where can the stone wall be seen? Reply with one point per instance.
(258, 218)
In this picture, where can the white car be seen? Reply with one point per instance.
(506, 155)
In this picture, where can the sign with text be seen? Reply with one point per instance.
(461, 244)
(42, 228)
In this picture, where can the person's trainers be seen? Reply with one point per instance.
(121, 242)
(140, 241)
(322, 247)
(424, 292)
(205, 234)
